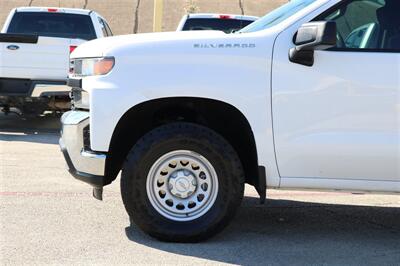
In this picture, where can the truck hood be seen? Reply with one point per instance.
(100, 47)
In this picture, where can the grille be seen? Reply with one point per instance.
(86, 138)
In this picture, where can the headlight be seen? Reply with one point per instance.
(83, 67)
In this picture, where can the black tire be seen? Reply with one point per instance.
(182, 136)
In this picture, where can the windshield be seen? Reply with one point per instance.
(226, 25)
(277, 16)
(60, 25)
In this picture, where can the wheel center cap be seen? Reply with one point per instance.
(182, 183)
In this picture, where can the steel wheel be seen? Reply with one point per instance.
(182, 185)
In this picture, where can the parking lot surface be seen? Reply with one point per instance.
(47, 217)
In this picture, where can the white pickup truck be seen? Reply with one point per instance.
(307, 97)
(35, 44)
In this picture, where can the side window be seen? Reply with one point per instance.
(103, 27)
(366, 24)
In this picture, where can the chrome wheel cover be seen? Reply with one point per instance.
(182, 185)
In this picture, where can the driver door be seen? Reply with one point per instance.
(340, 118)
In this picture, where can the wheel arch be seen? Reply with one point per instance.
(220, 116)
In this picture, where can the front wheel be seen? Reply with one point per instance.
(182, 182)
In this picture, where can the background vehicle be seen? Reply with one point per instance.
(205, 21)
(283, 103)
(35, 44)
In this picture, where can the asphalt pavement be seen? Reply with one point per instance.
(47, 217)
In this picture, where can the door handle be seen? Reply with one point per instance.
(13, 47)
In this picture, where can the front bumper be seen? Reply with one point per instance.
(84, 164)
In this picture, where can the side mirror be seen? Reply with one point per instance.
(318, 35)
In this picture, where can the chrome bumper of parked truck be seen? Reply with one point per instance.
(83, 163)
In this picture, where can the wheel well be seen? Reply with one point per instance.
(219, 116)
